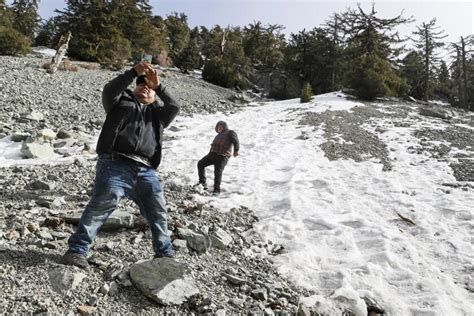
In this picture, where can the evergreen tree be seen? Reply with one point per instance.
(308, 57)
(25, 17)
(219, 72)
(463, 73)
(370, 41)
(427, 42)
(264, 45)
(161, 35)
(95, 30)
(48, 33)
(442, 85)
(411, 71)
(178, 33)
(228, 59)
(336, 62)
(135, 22)
(190, 57)
(211, 42)
(6, 15)
(12, 42)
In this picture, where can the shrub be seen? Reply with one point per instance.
(218, 72)
(306, 93)
(373, 77)
(13, 42)
(114, 52)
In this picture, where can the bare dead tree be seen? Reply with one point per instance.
(62, 48)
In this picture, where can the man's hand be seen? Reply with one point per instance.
(153, 80)
(141, 68)
(236, 153)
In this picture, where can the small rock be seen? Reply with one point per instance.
(86, 310)
(234, 279)
(42, 185)
(34, 116)
(259, 294)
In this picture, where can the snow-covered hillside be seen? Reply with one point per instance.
(367, 199)
(402, 236)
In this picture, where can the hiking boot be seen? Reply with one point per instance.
(71, 258)
(216, 193)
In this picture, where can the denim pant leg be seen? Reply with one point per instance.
(150, 198)
(112, 182)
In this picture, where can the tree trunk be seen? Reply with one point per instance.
(462, 99)
(464, 74)
(427, 67)
(63, 45)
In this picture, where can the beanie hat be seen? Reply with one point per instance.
(141, 79)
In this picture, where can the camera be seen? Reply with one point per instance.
(146, 58)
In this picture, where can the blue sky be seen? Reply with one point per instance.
(455, 17)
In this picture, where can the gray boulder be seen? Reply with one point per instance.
(436, 111)
(63, 280)
(196, 241)
(163, 280)
(220, 238)
(37, 150)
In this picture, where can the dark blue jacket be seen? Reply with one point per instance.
(131, 128)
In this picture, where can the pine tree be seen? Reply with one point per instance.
(371, 54)
(12, 42)
(189, 58)
(135, 22)
(96, 33)
(228, 59)
(25, 17)
(463, 72)
(264, 45)
(309, 57)
(211, 42)
(178, 33)
(442, 85)
(411, 71)
(336, 61)
(427, 42)
(48, 33)
(6, 15)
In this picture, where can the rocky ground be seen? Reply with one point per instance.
(226, 267)
(218, 254)
(347, 135)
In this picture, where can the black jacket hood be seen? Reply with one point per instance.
(223, 124)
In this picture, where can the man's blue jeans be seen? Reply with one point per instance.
(118, 177)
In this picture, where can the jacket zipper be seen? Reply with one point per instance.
(118, 132)
(139, 131)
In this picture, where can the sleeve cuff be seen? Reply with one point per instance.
(134, 72)
(160, 89)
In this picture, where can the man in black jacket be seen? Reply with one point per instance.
(129, 149)
(221, 151)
